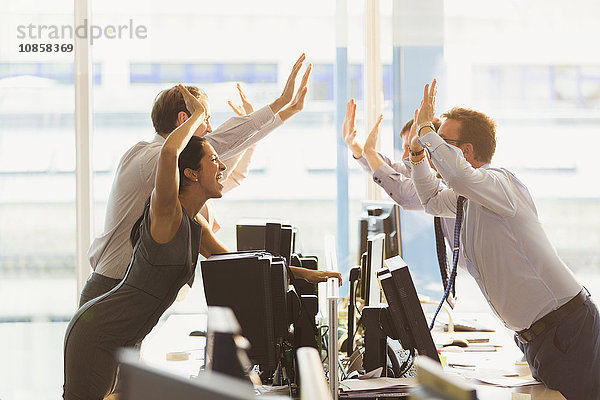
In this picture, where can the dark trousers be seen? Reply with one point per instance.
(95, 286)
(566, 357)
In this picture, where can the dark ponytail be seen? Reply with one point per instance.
(190, 158)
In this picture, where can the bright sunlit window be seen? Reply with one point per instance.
(517, 61)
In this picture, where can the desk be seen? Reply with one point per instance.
(173, 336)
(502, 359)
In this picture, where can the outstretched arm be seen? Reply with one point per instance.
(349, 130)
(165, 210)
(315, 276)
(241, 132)
(246, 107)
(288, 90)
(209, 244)
(298, 103)
(370, 150)
(238, 166)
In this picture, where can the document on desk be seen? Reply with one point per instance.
(376, 384)
(499, 378)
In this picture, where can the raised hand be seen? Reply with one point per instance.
(192, 103)
(415, 146)
(288, 90)
(427, 109)
(246, 107)
(349, 130)
(371, 142)
(298, 103)
(370, 149)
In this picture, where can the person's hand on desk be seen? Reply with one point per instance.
(314, 276)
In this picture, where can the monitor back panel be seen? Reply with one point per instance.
(139, 381)
(414, 312)
(242, 281)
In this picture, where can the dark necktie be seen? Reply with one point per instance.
(440, 245)
(448, 277)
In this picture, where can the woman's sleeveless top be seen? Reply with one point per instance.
(126, 314)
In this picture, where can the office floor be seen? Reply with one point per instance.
(31, 361)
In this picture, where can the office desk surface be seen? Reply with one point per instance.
(503, 359)
(173, 336)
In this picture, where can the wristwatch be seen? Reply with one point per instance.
(416, 153)
(423, 125)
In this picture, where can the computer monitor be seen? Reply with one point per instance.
(226, 349)
(419, 251)
(279, 240)
(405, 309)
(372, 262)
(254, 286)
(253, 234)
(139, 381)
(380, 217)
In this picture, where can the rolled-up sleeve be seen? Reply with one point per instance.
(487, 187)
(435, 197)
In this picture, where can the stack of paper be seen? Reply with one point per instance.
(377, 387)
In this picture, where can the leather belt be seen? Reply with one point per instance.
(553, 317)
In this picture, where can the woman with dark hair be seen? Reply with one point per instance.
(164, 259)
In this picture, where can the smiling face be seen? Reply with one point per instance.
(210, 172)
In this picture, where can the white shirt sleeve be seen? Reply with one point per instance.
(238, 169)
(394, 178)
(148, 163)
(487, 187)
(240, 132)
(435, 198)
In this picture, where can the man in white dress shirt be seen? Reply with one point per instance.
(111, 252)
(507, 251)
